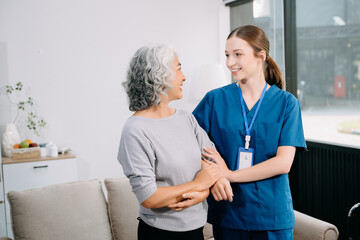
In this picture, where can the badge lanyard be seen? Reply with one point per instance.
(245, 155)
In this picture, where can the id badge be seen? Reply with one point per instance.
(245, 158)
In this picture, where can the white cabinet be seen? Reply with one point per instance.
(35, 173)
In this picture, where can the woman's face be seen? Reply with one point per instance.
(241, 59)
(176, 91)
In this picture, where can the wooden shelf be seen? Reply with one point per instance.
(6, 160)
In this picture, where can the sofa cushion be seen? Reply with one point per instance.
(123, 209)
(66, 211)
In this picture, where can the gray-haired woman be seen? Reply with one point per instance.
(160, 150)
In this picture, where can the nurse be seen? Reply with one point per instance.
(257, 128)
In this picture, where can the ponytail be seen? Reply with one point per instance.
(273, 74)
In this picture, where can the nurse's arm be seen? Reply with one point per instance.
(280, 164)
(165, 196)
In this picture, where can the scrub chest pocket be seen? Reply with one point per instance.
(267, 137)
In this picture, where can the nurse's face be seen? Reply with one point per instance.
(241, 59)
(176, 91)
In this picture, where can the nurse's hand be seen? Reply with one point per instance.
(207, 176)
(222, 190)
(217, 160)
(190, 199)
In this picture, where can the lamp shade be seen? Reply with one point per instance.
(211, 76)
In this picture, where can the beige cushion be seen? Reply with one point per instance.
(309, 228)
(66, 211)
(123, 209)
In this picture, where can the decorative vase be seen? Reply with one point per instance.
(10, 137)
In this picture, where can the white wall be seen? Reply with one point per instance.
(72, 56)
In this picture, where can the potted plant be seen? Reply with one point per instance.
(24, 108)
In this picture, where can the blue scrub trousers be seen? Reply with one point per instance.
(221, 233)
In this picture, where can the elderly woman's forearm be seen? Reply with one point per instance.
(165, 196)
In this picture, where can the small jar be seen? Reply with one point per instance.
(51, 150)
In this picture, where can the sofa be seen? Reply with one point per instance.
(79, 210)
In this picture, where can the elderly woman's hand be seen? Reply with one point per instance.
(213, 157)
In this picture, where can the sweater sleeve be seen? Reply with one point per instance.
(201, 136)
(137, 159)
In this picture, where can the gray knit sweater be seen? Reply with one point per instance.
(164, 152)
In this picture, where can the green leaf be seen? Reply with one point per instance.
(9, 89)
(30, 101)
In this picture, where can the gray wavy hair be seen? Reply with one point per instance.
(149, 76)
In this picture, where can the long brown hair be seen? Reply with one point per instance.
(258, 40)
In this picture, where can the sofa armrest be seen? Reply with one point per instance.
(208, 234)
(307, 227)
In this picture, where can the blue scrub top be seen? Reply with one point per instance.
(260, 205)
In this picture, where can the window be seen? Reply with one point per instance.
(328, 69)
(327, 60)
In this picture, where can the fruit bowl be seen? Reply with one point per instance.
(26, 153)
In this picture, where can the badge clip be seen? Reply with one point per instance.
(247, 141)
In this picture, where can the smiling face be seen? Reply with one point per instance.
(241, 59)
(176, 91)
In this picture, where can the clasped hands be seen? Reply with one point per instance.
(212, 175)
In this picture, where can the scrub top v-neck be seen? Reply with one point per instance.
(260, 205)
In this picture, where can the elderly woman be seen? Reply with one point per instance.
(161, 149)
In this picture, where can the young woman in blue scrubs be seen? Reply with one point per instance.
(257, 128)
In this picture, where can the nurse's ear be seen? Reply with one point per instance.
(262, 55)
